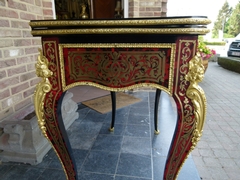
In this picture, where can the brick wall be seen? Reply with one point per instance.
(18, 52)
(147, 8)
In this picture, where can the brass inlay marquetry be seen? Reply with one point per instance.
(194, 100)
(198, 98)
(51, 55)
(201, 31)
(125, 22)
(186, 50)
(117, 74)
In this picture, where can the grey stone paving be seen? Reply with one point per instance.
(217, 155)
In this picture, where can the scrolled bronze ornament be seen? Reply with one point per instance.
(196, 94)
(42, 89)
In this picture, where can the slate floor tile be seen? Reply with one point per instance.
(82, 141)
(23, 172)
(119, 129)
(135, 165)
(136, 145)
(137, 131)
(93, 116)
(139, 109)
(94, 176)
(101, 162)
(138, 120)
(108, 143)
(4, 169)
(87, 127)
(79, 157)
(52, 174)
(130, 178)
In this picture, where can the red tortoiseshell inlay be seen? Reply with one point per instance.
(117, 67)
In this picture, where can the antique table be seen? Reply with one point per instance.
(119, 55)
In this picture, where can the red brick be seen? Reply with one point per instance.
(26, 59)
(47, 12)
(16, 71)
(2, 2)
(8, 13)
(13, 52)
(11, 100)
(48, 17)
(35, 56)
(3, 74)
(27, 16)
(158, 3)
(31, 67)
(38, 2)
(7, 63)
(23, 104)
(131, 9)
(157, 14)
(35, 10)
(36, 41)
(147, 3)
(35, 81)
(28, 1)
(130, 15)
(17, 5)
(47, 4)
(19, 88)
(4, 23)
(31, 50)
(20, 24)
(133, 3)
(145, 14)
(27, 33)
(153, 9)
(40, 18)
(22, 42)
(142, 8)
(29, 92)
(6, 43)
(164, 7)
(27, 76)
(9, 82)
(10, 33)
(4, 94)
(164, 14)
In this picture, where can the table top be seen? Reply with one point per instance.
(162, 25)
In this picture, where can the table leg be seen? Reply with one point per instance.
(67, 154)
(191, 109)
(157, 97)
(48, 99)
(48, 111)
(113, 98)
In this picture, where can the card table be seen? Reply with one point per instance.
(118, 55)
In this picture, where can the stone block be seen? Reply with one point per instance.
(21, 140)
